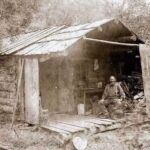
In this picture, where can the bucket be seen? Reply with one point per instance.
(81, 110)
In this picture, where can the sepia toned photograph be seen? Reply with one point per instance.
(74, 74)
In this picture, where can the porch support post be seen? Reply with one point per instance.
(32, 90)
(145, 63)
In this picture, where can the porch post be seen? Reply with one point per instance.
(32, 90)
(145, 63)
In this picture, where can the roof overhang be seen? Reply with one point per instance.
(56, 40)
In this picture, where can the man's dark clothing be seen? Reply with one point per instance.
(113, 92)
(111, 95)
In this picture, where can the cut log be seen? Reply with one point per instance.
(5, 147)
(11, 70)
(7, 61)
(7, 78)
(8, 86)
(80, 141)
(6, 109)
(7, 95)
(6, 101)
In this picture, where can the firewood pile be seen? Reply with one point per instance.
(133, 86)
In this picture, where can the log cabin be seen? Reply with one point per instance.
(58, 68)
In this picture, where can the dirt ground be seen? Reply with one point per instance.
(23, 137)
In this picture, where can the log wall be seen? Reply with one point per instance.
(8, 81)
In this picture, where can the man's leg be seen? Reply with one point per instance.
(103, 112)
(116, 110)
(107, 110)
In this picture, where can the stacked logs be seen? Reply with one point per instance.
(8, 78)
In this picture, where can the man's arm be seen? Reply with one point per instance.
(121, 92)
(103, 96)
(105, 92)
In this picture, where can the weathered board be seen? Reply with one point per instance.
(145, 62)
(98, 121)
(21, 88)
(66, 127)
(54, 129)
(73, 124)
(32, 91)
(81, 124)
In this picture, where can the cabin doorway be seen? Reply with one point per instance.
(56, 85)
(124, 62)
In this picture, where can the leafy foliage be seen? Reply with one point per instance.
(25, 15)
(16, 15)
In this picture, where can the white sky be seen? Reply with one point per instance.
(120, 1)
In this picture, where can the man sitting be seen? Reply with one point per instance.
(112, 97)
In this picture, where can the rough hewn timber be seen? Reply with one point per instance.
(8, 80)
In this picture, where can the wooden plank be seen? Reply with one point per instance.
(98, 121)
(110, 42)
(18, 90)
(32, 91)
(62, 128)
(21, 98)
(5, 147)
(55, 129)
(65, 127)
(72, 125)
(81, 124)
(30, 40)
(145, 63)
(108, 120)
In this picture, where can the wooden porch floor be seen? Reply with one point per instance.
(71, 124)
